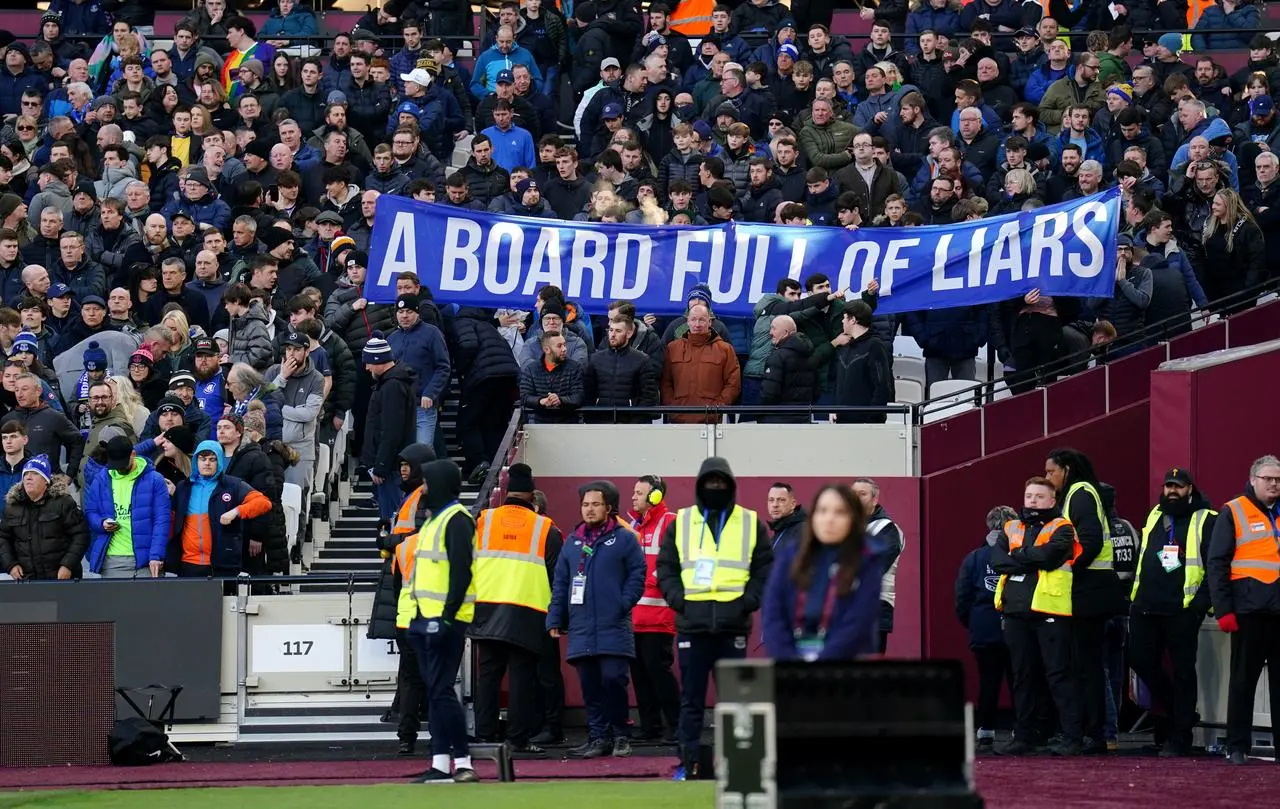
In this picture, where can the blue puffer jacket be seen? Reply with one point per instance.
(1094, 147)
(615, 572)
(148, 508)
(1216, 20)
(301, 22)
(927, 18)
(976, 597)
(12, 87)
(207, 211)
(82, 19)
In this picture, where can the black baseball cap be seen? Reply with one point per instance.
(1178, 476)
(206, 346)
(120, 453)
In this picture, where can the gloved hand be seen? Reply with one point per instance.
(1228, 623)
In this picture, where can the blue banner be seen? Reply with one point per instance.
(481, 259)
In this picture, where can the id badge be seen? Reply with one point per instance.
(809, 648)
(1169, 558)
(704, 572)
(578, 589)
(1018, 578)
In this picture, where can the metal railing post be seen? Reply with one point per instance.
(242, 646)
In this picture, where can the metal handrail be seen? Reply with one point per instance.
(1153, 331)
(499, 458)
(742, 409)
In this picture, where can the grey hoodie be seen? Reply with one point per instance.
(56, 195)
(114, 181)
(250, 339)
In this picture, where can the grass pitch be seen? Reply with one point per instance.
(558, 795)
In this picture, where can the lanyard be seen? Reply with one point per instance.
(828, 610)
(587, 551)
(724, 518)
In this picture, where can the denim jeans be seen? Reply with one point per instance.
(1114, 635)
(551, 82)
(426, 420)
(388, 496)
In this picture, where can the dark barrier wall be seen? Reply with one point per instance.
(168, 632)
(1215, 421)
(954, 504)
(899, 496)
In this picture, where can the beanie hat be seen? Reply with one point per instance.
(1123, 90)
(8, 204)
(25, 341)
(172, 404)
(95, 359)
(700, 292)
(254, 66)
(789, 50)
(377, 351)
(182, 438)
(551, 309)
(142, 355)
(1171, 42)
(520, 479)
(526, 184)
(606, 488)
(51, 16)
(235, 420)
(40, 465)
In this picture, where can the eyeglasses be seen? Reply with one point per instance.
(1269, 480)
(26, 129)
(26, 103)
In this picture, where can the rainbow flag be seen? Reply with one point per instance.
(264, 52)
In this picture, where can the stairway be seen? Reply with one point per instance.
(343, 545)
(349, 546)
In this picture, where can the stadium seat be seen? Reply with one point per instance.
(908, 390)
(948, 387)
(939, 409)
(906, 347)
(909, 368)
(291, 499)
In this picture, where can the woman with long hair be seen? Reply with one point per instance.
(182, 355)
(822, 601)
(282, 75)
(1256, 85)
(1234, 254)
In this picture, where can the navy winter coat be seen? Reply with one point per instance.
(615, 573)
(422, 348)
(976, 598)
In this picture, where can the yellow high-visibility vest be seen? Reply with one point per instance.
(731, 555)
(423, 594)
(511, 567)
(1194, 573)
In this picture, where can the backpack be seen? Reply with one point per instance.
(135, 741)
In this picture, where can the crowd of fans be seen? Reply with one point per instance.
(209, 199)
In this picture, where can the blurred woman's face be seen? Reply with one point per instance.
(1220, 206)
(832, 520)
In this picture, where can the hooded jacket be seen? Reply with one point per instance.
(48, 433)
(443, 482)
(714, 617)
(386, 597)
(479, 351)
(199, 537)
(620, 378)
(250, 339)
(148, 507)
(302, 395)
(976, 595)
(357, 326)
(1024, 564)
(43, 536)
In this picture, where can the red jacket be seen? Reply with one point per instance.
(652, 613)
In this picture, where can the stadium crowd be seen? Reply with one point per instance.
(184, 238)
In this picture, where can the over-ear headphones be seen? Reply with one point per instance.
(657, 489)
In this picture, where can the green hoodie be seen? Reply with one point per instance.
(121, 543)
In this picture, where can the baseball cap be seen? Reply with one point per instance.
(119, 453)
(505, 77)
(293, 338)
(1026, 32)
(610, 62)
(206, 346)
(1261, 106)
(93, 299)
(1178, 476)
(611, 110)
(418, 76)
(59, 290)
